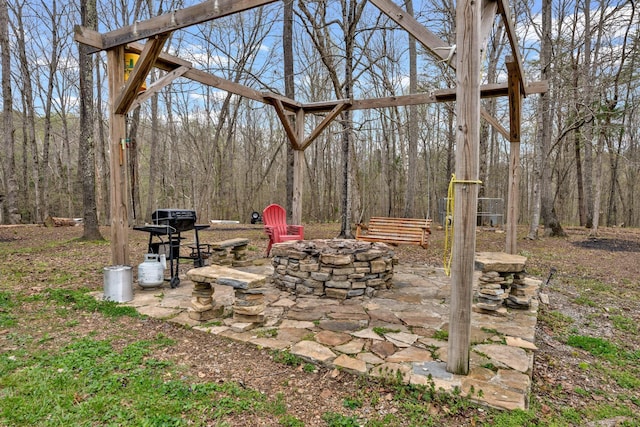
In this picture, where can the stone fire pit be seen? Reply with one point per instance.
(334, 268)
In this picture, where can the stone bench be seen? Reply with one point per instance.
(229, 252)
(248, 305)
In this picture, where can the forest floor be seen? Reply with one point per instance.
(586, 371)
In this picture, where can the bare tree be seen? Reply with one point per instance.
(606, 113)
(8, 143)
(87, 157)
(319, 30)
(289, 91)
(412, 152)
(29, 125)
(547, 210)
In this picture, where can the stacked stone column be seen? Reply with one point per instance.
(248, 305)
(230, 252)
(502, 282)
(203, 306)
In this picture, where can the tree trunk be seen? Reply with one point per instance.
(582, 210)
(87, 157)
(8, 146)
(536, 179)
(289, 91)
(412, 152)
(29, 126)
(589, 123)
(597, 196)
(102, 163)
(134, 167)
(154, 157)
(351, 16)
(551, 222)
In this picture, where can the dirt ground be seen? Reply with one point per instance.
(589, 280)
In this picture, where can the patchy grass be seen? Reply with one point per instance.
(625, 324)
(89, 382)
(594, 345)
(557, 321)
(81, 300)
(6, 304)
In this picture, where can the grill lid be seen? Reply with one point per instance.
(180, 219)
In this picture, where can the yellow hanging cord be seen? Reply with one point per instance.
(448, 221)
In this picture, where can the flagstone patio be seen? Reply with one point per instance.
(401, 330)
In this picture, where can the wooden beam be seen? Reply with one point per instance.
(513, 200)
(428, 39)
(328, 119)
(175, 20)
(541, 86)
(393, 101)
(87, 36)
(224, 84)
(495, 123)
(117, 162)
(468, 16)
(288, 128)
(287, 103)
(140, 72)
(169, 62)
(489, 9)
(493, 90)
(515, 100)
(503, 9)
(164, 61)
(156, 86)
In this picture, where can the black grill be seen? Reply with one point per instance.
(165, 233)
(178, 219)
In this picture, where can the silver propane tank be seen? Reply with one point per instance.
(151, 271)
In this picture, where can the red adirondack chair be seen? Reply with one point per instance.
(275, 225)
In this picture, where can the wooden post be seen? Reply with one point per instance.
(515, 104)
(469, 43)
(117, 161)
(298, 163)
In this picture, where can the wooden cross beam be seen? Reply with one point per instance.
(175, 20)
(503, 9)
(158, 85)
(328, 119)
(288, 127)
(428, 39)
(140, 72)
(438, 47)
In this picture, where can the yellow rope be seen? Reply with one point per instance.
(448, 221)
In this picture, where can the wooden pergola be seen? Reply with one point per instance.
(474, 22)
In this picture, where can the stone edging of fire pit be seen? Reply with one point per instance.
(335, 268)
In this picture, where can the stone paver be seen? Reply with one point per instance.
(352, 347)
(351, 364)
(313, 351)
(332, 339)
(389, 334)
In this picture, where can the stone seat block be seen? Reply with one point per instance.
(226, 276)
(230, 243)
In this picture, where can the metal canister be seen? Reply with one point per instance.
(151, 271)
(118, 281)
